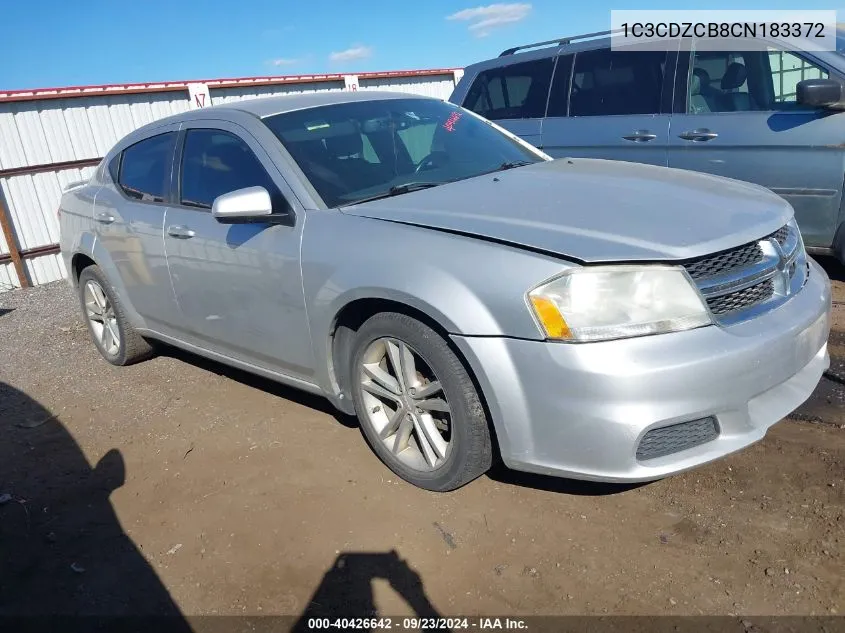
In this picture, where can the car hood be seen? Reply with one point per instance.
(594, 210)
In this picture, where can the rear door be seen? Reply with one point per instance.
(610, 104)
(514, 96)
(740, 119)
(129, 217)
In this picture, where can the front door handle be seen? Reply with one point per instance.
(104, 218)
(180, 232)
(698, 135)
(640, 136)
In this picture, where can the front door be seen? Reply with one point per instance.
(238, 285)
(741, 120)
(129, 217)
(612, 104)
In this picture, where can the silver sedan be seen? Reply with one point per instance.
(464, 295)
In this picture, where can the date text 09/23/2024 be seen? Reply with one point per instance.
(416, 624)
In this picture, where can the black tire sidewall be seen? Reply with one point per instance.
(463, 459)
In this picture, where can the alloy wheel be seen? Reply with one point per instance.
(405, 404)
(101, 317)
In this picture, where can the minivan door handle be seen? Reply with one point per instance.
(180, 232)
(698, 135)
(104, 218)
(640, 136)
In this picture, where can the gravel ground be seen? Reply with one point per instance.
(179, 485)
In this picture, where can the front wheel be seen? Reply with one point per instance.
(417, 405)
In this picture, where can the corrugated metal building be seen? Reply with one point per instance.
(54, 136)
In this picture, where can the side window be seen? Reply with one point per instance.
(747, 81)
(787, 70)
(145, 168)
(215, 162)
(606, 82)
(114, 168)
(517, 91)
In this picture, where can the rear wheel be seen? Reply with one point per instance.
(418, 407)
(110, 330)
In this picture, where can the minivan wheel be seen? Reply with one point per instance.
(418, 407)
(111, 332)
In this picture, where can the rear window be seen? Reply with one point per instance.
(517, 91)
(145, 168)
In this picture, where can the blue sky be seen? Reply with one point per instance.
(48, 43)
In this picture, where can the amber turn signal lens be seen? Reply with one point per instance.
(550, 318)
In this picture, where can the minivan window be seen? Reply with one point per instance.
(743, 81)
(559, 94)
(607, 82)
(215, 162)
(517, 91)
(415, 141)
(145, 168)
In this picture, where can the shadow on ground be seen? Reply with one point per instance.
(832, 267)
(498, 473)
(258, 382)
(62, 548)
(346, 590)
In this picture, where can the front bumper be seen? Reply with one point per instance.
(580, 410)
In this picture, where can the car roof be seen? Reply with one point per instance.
(263, 107)
(268, 106)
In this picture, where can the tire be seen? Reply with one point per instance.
(131, 347)
(464, 428)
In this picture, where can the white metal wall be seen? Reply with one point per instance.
(230, 95)
(55, 130)
(439, 87)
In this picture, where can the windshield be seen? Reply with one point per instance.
(840, 41)
(362, 149)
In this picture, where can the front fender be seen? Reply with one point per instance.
(470, 287)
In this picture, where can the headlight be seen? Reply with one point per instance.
(607, 302)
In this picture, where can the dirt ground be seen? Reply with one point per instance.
(179, 485)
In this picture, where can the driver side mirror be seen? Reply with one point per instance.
(820, 93)
(245, 205)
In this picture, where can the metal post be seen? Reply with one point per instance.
(6, 224)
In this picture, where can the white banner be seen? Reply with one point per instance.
(723, 30)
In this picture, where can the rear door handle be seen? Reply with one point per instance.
(640, 136)
(698, 135)
(104, 218)
(180, 232)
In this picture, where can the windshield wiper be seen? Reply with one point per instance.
(511, 164)
(398, 190)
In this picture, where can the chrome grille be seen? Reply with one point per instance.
(781, 235)
(723, 262)
(741, 299)
(737, 283)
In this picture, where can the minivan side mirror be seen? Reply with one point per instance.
(243, 205)
(821, 93)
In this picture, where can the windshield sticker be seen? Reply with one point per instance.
(449, 126)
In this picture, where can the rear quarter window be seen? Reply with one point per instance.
(144, 172)
(516, 91)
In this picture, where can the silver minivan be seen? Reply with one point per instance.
(771, 116)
